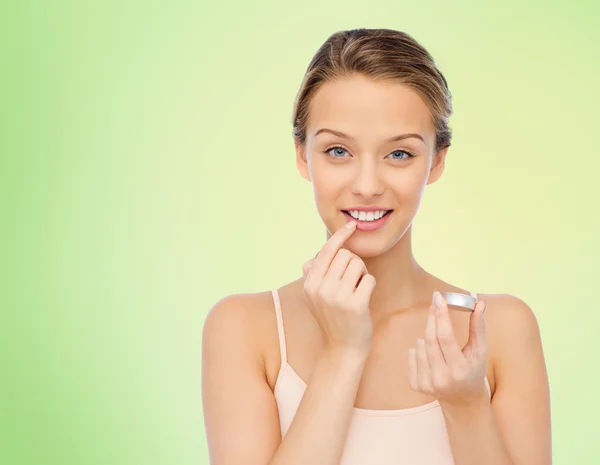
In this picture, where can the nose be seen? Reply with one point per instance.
(367, 182)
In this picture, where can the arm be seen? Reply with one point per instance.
(515, 428)
(240, 412)
(319, 429)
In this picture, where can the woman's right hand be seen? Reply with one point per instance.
(338, 287)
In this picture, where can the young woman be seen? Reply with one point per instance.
(361, 360)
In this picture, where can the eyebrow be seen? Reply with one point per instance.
(391, 139)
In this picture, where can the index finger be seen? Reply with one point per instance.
(331, 247)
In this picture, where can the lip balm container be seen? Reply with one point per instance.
(462, 302)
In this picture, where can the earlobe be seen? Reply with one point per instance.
(301, 162)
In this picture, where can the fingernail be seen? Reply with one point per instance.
(437, 298)
(351, 224)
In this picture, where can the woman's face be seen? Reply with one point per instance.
(369, 144)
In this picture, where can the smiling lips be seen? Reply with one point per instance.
(368, 218)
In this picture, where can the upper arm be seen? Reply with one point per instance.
(521, 400)
(240, 413)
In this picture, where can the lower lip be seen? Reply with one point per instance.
(368, 225)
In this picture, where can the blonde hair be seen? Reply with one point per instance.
(383, 54)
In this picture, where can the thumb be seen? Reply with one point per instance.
(477, 326)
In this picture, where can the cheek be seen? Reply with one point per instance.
(326, 194)
(406, 184)
(328, 180)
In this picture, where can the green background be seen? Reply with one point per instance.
(147, 170)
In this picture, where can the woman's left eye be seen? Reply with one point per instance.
(401, 152)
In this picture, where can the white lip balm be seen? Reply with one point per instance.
(463, 301)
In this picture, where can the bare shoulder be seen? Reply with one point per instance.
(234, 307)
(513, 333)
(238, 317)
(509, 318)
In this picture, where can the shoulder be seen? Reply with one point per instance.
(508, 316)
(239, 323)
(237, 315)
(512, 327)
(235, 306)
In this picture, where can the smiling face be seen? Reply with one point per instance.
(369, 145)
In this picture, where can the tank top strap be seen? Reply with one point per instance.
(280, 329)
(474, 295)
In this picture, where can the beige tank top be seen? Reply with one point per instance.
(410, 436)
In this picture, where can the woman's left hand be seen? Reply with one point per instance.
(439, 367)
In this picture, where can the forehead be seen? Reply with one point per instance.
(361, 105)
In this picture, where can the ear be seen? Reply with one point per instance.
(301, 161)
(437, 167)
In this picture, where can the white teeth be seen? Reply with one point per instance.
(367, 216)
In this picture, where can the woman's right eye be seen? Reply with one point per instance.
(336, 152)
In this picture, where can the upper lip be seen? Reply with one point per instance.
(367, 208)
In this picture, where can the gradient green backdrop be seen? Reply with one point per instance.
(147, 170)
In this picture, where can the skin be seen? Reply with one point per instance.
(418, 352)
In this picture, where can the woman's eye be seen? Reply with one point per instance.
(336, 152)
(400, 153)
